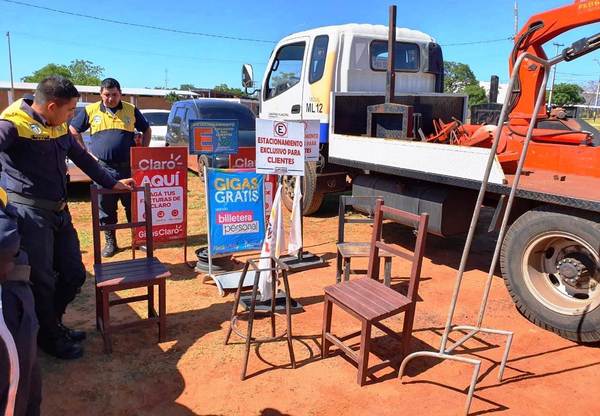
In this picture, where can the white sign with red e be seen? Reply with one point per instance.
(279, 147)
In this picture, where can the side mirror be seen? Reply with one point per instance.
(176, 120)
(247, 76)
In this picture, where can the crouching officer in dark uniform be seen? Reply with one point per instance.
(18, 312)
(112, 125)
(34, 145)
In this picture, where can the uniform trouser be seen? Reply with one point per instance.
(57, 272)
(19, 315)
(108, 203)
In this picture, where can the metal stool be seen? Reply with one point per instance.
(275, 267)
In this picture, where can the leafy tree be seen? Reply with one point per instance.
(187, 87)
(458, 78)
(224, 88)
(476, 94)
(172, 96)
(46, 71)
(79, 71)
(567, 94)
(85, 72)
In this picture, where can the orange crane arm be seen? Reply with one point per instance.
(538, 30)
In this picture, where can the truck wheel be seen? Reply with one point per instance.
(202, 161)
(550, 264)
(312, 200)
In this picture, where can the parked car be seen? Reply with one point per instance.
(206, 109)
(158, 122)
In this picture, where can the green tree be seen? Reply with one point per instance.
(459, 79)
(476, 94)
(172, 96)
(567, 94)
(79, 71)
(85, 72)
(224, 88)
(46, 71)
(187, 87)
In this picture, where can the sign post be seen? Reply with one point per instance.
(165, 170)
(212, 137)
(304, 259)
(282, 148)
(235, 217)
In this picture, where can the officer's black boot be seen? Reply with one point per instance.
(60, 346)
(110, 247)
(72, 334)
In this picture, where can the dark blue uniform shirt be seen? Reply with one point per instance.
(38, 168)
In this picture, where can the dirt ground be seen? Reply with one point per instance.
(193, 373)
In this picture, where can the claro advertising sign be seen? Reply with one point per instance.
(165, 169)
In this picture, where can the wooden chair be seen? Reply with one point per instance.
(370, 302)
(346, 250)
(127, 274)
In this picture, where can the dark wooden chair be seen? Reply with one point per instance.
(370, 302)
(346, 250)
(127, 274)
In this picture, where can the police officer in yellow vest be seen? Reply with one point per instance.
(34, 145)
(112, 123)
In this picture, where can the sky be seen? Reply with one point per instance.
(141, 57)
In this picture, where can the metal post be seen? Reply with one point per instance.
(301, 249)
(11, 95)
(444, 353)
(516, 13)
(558, 45)
(207, 223)
(597, 91)
(391, 74)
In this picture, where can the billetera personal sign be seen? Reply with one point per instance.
(236, 210)
(279, 147)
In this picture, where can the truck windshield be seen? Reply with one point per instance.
(286, 69)
(406, 59)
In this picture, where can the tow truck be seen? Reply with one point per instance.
(395, 134)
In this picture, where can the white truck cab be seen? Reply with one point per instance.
(306, 67)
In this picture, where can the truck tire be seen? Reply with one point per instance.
(312, 199)
(550, 264)
(202, 161)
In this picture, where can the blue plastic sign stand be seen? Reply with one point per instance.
(213, 137)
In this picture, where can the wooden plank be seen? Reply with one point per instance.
(351, 354)
(383, 292)
(373, 292)
(342, 297)
(364, 296)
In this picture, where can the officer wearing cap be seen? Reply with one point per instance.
(34, 145)
(18, 315)
(112, 125)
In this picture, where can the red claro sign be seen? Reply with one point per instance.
(165, 170)
(244, 159)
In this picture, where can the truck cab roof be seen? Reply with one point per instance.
(379, 31)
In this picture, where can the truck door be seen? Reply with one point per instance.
(283, 85)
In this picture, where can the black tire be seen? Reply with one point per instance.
(202, 161)
(536, 245)
(312, 199)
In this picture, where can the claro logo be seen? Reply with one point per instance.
(243, 162)
(152, 164)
